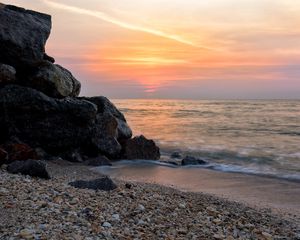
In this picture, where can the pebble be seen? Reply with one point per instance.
(141, 208)
(106, 225)
(267, 236)
(141, 222)
(26, 233)
(116, 217)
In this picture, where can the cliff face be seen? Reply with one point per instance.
(39, 103)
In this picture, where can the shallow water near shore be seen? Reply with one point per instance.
(256, 137)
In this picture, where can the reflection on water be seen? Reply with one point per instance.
(258, 135)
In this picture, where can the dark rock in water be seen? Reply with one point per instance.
(189, 160)
(141, 148)
(106, 107)
(49, 58)
(3, 156)
(104, 184)
(98, 161)
(7, 74)
(176, 155)
(53, 80)
(23, 34)
(20, 152)
(34, 168)
(128, 185)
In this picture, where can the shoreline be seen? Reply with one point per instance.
(280, 195)
(51, 208)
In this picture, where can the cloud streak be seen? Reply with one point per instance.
(105, 17)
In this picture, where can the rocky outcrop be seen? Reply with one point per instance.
(19, 152)
(189, 160)
(30, 167)
(141, 148)
(7, 74)
(106, 107)
(53, 80)
(39, 101)
(23, 35)
(40, 121)
(104, 184)
(3, 156)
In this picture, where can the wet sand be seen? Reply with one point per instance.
(281, 196)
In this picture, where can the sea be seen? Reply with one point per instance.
(259, 137)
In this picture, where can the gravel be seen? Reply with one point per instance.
(33, 208)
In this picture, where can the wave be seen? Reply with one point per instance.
(265, 171)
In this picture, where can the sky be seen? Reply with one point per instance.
(184, 49)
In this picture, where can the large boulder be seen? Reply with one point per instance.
(23, 34)
(106, 107)
(104, 137)
(34, 168)
(141, 148)
(41, 121)
(7, 74)
(53, 80)
(56, 125)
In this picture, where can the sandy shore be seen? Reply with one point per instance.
(281, 196)
(40, 209)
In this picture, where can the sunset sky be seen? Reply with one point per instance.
(198, 49)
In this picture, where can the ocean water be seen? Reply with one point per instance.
(256, 137)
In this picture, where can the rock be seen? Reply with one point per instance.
(72, 156)
(56, 125)
(105, 135)
(140, 208)
(53, 80)
(106, 225)
(3, 156)
(105, 184)
(23, 34)
(20, 152)
(106, 107)
(26, 234)
(219, 236)
(116, 217)
(141, 222)
(44, 122)
(7, 74)
(128, 185)
(98, 161)
(176, 155)
(48, 58)
(141, 148)
(34, 168)
(267, 236)
(189, 160)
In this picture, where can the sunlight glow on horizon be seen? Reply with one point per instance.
(177, 49)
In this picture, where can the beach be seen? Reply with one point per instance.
(52, 209)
